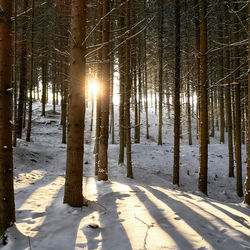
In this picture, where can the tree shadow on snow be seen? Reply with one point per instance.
(111, 230)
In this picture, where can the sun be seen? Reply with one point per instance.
(93, 86)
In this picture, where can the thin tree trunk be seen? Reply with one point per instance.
(197, 35)
(92, 111)
(228, 108)
(160, 69)
(127, 97)
(221, 75)
(112, 119)
(98, 95)
(28, 133)
(247, 182)
(122, 93)
(237, 110)
(44, 84)
(146, 80)
(212, 113)
(177, 96)
(203, 135)
(136, 139)
(64, 109)
(14, 73)
(23, 71)
(104, 133)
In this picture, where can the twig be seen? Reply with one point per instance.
(148, 227)
(29, 243)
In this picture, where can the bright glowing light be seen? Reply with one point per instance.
(93, 86)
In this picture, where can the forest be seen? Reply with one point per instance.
(124, 124)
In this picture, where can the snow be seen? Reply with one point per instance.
(146, 212)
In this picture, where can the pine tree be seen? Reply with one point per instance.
(177, 96)
(203, 135)
(247, 182)
(75, 138)
(7, 205)
(104, 132)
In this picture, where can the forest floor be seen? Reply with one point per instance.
(146, 212)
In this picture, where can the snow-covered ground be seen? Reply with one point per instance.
(147, 212)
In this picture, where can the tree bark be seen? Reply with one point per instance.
(127, 96)
(247, 182)
(177, 96)
(98, 96)
(203, 135)
(7, 203)
(122, 91)
(104, 132)
(160, 67)
(228, 106)
(28, 133)
(23, 71)
(75, 139)
(237, 109)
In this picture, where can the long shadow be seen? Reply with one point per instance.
(207, 230)
(237, 218)
(60, 226)
(52, 170)
(162, 221)
(226, 224)
(30, 189)
(110, 222)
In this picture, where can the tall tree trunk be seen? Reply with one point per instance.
(177, 96)
(138, 125)
(98, 95)
(189, 124)
(92, 110)
(212, 113)
(203, 135)
(237, 109)
(44, 83)
(127, 96)
(28, 133)
(160, 69)
(136, 139)
(197, 36)
(228, 106)
(23, 71)
(7, 204)
(74, 165)
(221, 75)
(146, 78)
(122, 92)
(112, 118)
(14, 73)
(64, 107)
(247, 182)
(104, 133)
